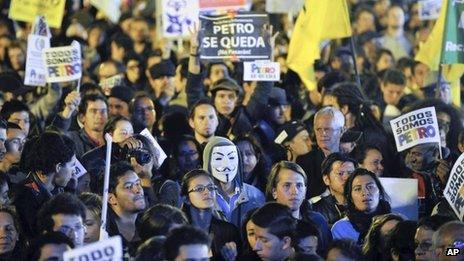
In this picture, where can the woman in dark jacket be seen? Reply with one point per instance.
(199, 194)
(366, 198)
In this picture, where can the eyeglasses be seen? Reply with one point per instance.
(201, 188)
(328, 131)
(67, 229)
(144, 109)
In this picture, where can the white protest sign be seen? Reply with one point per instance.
(108, 83)
(176, 17)
(109, 249)
(162, 155)
(79, 170)
(63, 64)
(284, 6)
(36, 72)
(261, 71)
(416, 127)
(454, 190)
(106, 184)
(109, 7)
(429, 9)
(403, 196)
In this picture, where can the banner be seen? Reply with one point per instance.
(79, 169)
(261, 71)
(28, 10)
(429, 9)
(109, 249)
(453, 42)
(176, 17)
(284, 6)
(403, 196)
(238, 36)
(416, 127)
(63, 64)
(454, 190)
(224, 5)
(109, 7)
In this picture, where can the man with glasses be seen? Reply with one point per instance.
(448, 237)
(143, 112)
(424, 233)
(64, 213)
(126, 200)
(336, 169)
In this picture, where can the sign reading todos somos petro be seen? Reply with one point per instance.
(454, 190)
(63, 63)
(235, 35)
(109, 249)
(416, 127)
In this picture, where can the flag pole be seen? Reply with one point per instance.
(353, 55)
(440, 65)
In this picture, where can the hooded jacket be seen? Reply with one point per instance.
(249, 196)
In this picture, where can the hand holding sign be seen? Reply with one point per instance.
(72, 101)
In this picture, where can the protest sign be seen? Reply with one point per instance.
(238, 36)
(284, 6)
(429, 9)
(454, 190)
(224, 5)
(108, 83)
(109, 249)
(162, 155)
(176, 17)
(416, 127)
(261, 71)
(109, 7)
(38, 40)
(63, 63)
(27, 10)
(106, 184)
(79, 170)
(403, 196)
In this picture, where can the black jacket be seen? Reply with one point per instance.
(329, 208)
(311, 164)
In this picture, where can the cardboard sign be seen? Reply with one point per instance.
(110, 249)
(403, 196)
(63, 64)
(225, 5)
(108, 83)
(28, 10)
(162, 155)
(176, 17)
(429, 9)
(35, 68)
(109, 7)
(79, 170)
(454, 190)
(261, 71)
(284, 6)
(237, 36)
(416, 127)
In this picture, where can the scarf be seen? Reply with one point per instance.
(361, 221)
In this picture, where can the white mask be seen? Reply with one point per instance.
(224, 163)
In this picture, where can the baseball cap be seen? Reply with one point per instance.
(289, 131)
(161, 69)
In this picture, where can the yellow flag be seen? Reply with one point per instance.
(429, 53)
(319, 20)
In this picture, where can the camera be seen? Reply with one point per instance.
(142, 156)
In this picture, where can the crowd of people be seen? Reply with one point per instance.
(254, 170)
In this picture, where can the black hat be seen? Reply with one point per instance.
(289, 131)
(277, 97)
(11, 82)
(164, 68)
(351, 136)
(225, 84)
(123, 93)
